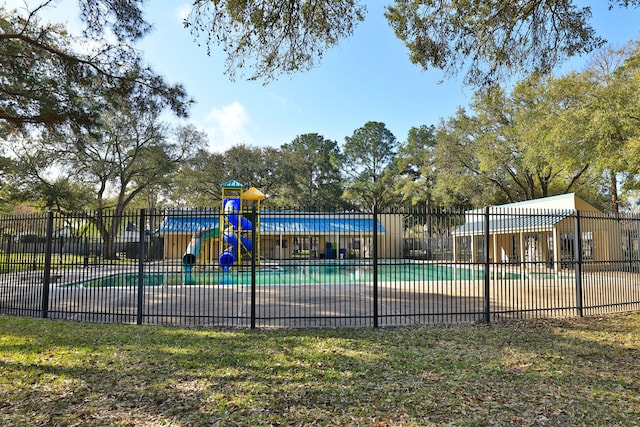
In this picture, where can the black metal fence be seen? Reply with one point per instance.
(309, 269)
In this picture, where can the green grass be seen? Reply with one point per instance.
(545, 372)
(20, 262)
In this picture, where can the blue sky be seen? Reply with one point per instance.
(367, 78)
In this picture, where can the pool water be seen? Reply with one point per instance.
(120, 280)
(331, 273)
(298, 274)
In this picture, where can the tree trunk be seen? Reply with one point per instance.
(110, 248)
(615, 206)
(111, 241)
(108, 234)
(429, 218)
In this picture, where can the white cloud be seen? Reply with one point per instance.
(227, 126)
(279, 99)
(183, 12)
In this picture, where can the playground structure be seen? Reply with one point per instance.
(239, 223)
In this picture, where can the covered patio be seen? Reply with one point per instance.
(535, 234)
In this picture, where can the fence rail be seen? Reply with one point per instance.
(308, 269)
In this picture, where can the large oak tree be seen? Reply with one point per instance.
(512, 146)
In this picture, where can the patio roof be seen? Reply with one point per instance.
(514, 223)
(276, 224)
(318, 225)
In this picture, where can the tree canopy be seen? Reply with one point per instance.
(485, 40)
(52, 79)
(549, 135)
(63, 98)
(413, 170)
(503, 151)
(368, 153)
(488, 39)
(311, 173)
(273, 36)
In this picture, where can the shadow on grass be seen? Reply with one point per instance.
(550, 372)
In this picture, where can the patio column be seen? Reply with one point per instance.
(473, 248)
(455, 252)
(523, 254)
(556, 250)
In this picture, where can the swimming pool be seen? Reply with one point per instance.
(298, 274)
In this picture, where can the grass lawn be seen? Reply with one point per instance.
(543, 373)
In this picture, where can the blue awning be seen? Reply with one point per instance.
(187, 223)
(276, 224)
(361, 224)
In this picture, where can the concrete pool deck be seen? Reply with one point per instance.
(339, 304)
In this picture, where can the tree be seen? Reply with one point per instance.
(161, 192)
(44, 82)
(629, 72)
(253, 166)
(367, 154)
(413, 173)
(311, 179)
(553, 140)
(36, 176)
(505, 149)
(413, 170)
(6, 193)
(611, 106)
(589, 121)
(458, 184)
(485, 39)
(492, 39)
(197, 183)
(551, 117)
(133, 153)
(273, 36)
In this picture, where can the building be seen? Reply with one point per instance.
(290, 235)
(542, 233)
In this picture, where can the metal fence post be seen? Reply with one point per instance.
(141, 257)
(487, 265)
(636, 267)
(253, 265)
(577, 247)
(375, 265)
(46, 279)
